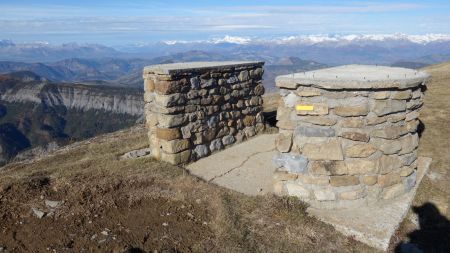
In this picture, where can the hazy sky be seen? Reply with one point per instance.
(121, 22)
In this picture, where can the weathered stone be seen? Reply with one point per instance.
(384, 107)
(291, 100)
(388, 163)
(353, 194)
(170, 100)
(296, 190)
(327, 168)
(375, 120)
(321, 121)
(352, 122)
(178, 158)
(228, 140)
(311, 109)
(360, 150)
(412, 126)
(408, 159)
(249, 120)
(313, 180)
(412, 115)
(393, 191)
(169, 87)
(279, 188)
(311, 92)
(286, 124)
(216, 145)
(250, 131)
(405, 94)
(390, 147)
(355, 136)
(149, 97)
(195, 83)
(168, 134)
(356, 167)
(284, 142)
(175, 146)
(284, 176)
(324, 195)
(201, 151)
(409, 143)
(369, 180)
(348, 111)
(393, 118)
(314, 131)
(380, 95)
(390, 132)
(149, 85)
(389, 179)
(324, 151)
(406, 171)
(259, 90)
(244, 76)
(410, 181)
(170, 121)
(344, 180)
(292, 163)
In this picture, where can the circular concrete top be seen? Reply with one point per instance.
(355, 77)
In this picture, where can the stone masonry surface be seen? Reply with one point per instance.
(197, 108)
(348, 135)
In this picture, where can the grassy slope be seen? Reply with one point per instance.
(133, 198)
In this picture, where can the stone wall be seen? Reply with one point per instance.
(195, 109)
(350, 143)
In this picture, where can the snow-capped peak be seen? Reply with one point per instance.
(232, 39)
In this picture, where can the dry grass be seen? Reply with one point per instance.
(133, 198)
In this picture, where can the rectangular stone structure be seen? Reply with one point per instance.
(197, 108)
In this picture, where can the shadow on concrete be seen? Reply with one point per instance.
(433, 234)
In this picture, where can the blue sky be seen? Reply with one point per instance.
(125, 22)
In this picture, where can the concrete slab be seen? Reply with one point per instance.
(173, 68)
(355, 77)
(248, 168)
(373, 226)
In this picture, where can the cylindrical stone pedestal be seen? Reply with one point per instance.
(348, 135)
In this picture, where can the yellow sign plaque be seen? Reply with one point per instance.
(304, 107)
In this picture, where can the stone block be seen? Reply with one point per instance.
(175, 146)
(283, 142)
(352, 122)
(149, 97)
(170, 100)
(412, 115)
(170, 121)
(412, 126)
(355, 136)
(296, 190)
(200, 151)
(390, 147)
(351, 111)
(284, 176)
(314, 131)
(408, 159)
(388, 163)
(330, 150)
(309, 92)
(373, 120)
(393, 191)
(327, 168)
(216, 145)
(353, 194)
(324, 195)
(393, 118)
(389, 179)
(321, 121)
(244, 76)
(149, 85)
(384, 107)
(249, 120)
(356, 167)
(369, 180)
(338, 181)
(178, 158)
(380, 95)
(407, 170)
(168, 134)
(279, 189)
(392, 132)
(169, 87)
(259, 90)
(228, 140)
(314, 180)
(409, 143)
(360, 150)
(291, 100)
(410, 181)
(402, 95)
(292, 163)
